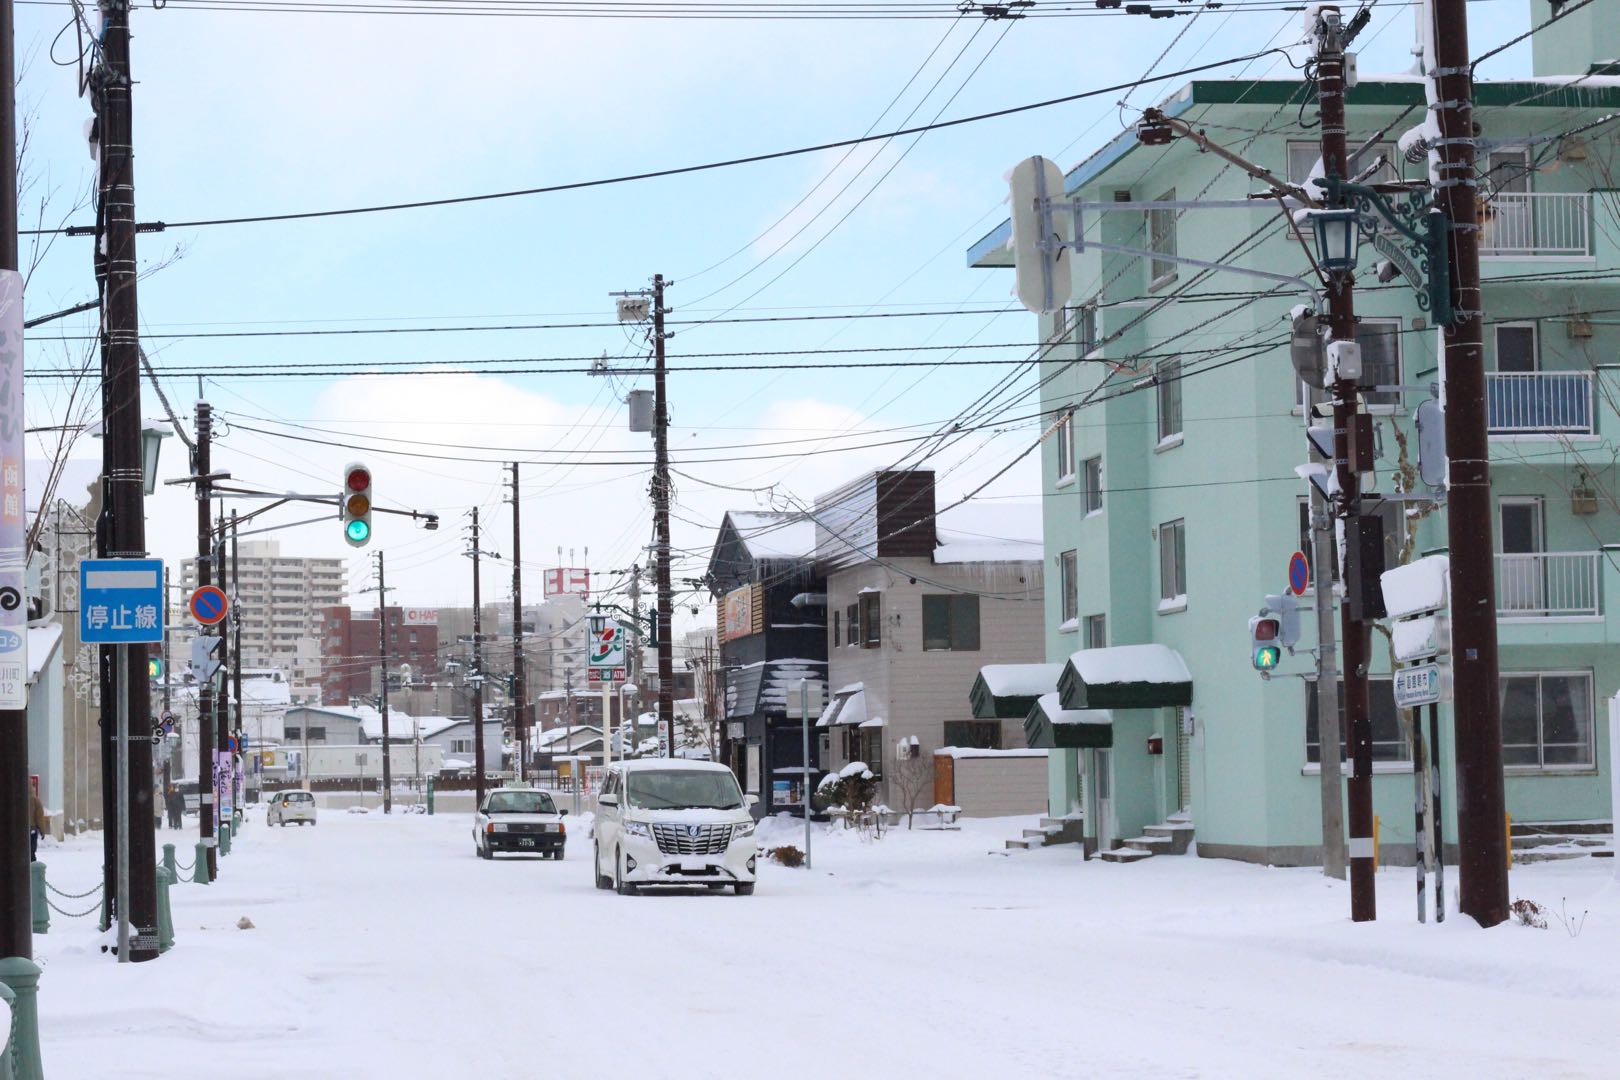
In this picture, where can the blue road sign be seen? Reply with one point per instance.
(120, 601)
(1299, 573)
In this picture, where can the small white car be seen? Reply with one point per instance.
(521, 820)
(665, 821)
(285, 806)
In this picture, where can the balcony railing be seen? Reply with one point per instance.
(1539, 402)
(1548, 585)
(1536, 225)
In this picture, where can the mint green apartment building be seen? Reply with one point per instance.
(1171, 500)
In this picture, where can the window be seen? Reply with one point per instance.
(852, 622)
(865, 744)
(461, 746)
(317, 734)
(1161, 229)
(1516, 347)
(1172, 562)
(293, 734)
(1168, 376)
(1091, 485)
(1065, 449)
(1069, 586)
(1380, 341)
(1079, 325)
(871, 605)
(1389, 744)
(1302, 158)
(1096, 632)
(837, 628)
(951, 623)
(973, 734)
(1547, 720)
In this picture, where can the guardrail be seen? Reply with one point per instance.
(1536, 225)
(1539, 402)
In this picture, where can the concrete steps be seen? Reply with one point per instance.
(1535, 842)
(1051, 831)
(1125, 855)
(1173, 837)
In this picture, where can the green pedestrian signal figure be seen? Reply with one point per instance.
(1265, 633)
(356, 505)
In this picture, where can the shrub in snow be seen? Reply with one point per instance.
(787, 855)
(851, 792)
(1529, 913)
(244, 923)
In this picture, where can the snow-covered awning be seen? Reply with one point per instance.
(1049, 725)
(1008, 691)
(848, 706)
(1125, 677)
(876, 721)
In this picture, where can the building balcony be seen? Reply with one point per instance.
(1549, 585)
(1536, 225)
(1539, 403)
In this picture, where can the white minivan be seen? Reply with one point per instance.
(666, 821)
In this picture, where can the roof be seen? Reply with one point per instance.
(678, 764)
(400, 725)
(552, 736)
(848, 706)
(774, 534)
(979, 532)
(1051, 726)
(1007, 691)
(351, 712)
(1126, 677)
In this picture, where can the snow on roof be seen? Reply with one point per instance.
(72, 487)
(402, 726)
(875, 722)
(259, 693)
(1052, 706)
(1020, 680)
(845, 708)
(42, 642)
(774, 534)
(352, 712)
(970, 752)
(1009, 532)
(1130, 664)
(552, 736)
(457, 763)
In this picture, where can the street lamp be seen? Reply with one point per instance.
(1338, 235)
(153, 433)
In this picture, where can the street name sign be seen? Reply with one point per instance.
(1425, 684)
(121, 601)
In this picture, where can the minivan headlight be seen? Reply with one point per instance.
(638, 828)
(739, 831)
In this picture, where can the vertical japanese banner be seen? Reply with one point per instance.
(224, 784)
(13, 508)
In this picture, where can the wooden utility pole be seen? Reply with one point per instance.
(1481, 800)
(478, 668)
(382, 651)
(239, 720)
(200, 466)
(1355, 634)
(121, 395)
(666, 660)
(520, 690)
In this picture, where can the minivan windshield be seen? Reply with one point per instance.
(519, 802)
(683, 789)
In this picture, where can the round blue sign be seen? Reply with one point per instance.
(1299, 573)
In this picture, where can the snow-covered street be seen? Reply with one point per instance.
(382, 948)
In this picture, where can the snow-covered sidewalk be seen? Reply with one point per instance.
(382, 948)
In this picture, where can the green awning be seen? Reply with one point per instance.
(1125, 677)
(1008, 691)
(1049, 726)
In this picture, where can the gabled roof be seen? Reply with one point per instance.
(772, 534)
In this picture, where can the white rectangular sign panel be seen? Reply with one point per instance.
(1426, 684)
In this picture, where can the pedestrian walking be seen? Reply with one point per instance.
(176, 804)
(41, 822)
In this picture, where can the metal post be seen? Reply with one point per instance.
(1437, 823)
(804, 762)
(1329, 736)
(1341, 320)
(1414, 718)
(607, 721)
(1481, 800)
(121, 694)
(382, 649)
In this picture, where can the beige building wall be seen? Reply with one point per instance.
(284, 594)
(995, 785)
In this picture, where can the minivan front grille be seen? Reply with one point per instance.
(692, 839)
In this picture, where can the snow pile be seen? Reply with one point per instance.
(855, 768)
(1416, 587)
(1130, 664)
(1020, 680)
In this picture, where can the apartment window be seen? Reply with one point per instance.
(852, 623)
(1161, 229)
(1079, 325)
(1069, 585)
(1091, 485)
(837, 628)
(871, 605)
(1168, 375)
(317, 734)
(1096, 632)
(293, 734)
(1388, 744)
(1302, 157)
(1065, 449)
(1380, 341)
(1173, 562)
(1547, 720)
(1516, 348)
(461, 746)
(950, 623)
(973, 734)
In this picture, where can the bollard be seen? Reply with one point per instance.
(165, 919)
(106, 912)
(430, 795)
(199, 872)
(10, 999)
(169, 862)
(22, 976)
(38, 900)
(236, 822)
(224, 838)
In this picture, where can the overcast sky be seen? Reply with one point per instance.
(241, 113)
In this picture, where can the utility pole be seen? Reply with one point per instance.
(382, 649)
(201, 477)
(520, 691)
(477, 665)
(1329, 736)
(1481, 800)
(1341, 322)
(121, 422)
(222, 700)
(168, 618)
(666, 661)
(240, 718)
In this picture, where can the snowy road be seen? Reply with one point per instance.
(383, 948)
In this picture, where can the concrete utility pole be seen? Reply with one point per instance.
(1328, 734)
(520, 682)
(1341, 322)
(666, 659)
(382, 650)
(478, 666)
(1481, 800)
(200, 475)
(121, 395)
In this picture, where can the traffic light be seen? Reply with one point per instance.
(1265, 641)
(356, 505)
(205, 656)
(1043, 277)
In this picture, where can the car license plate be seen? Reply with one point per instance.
(694, 864)
(525, 841)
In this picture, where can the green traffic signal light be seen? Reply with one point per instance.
(1266, 657)
(359, 531)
